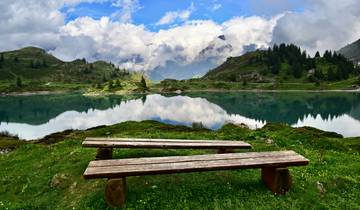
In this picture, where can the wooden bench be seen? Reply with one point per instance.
(273, 166)
(105, 145)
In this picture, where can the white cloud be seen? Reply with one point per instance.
(324, 24)
(216, 7)
(130, 46)
(135, 47)
(172, 16)
(128, 7)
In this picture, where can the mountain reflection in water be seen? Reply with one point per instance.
(34, 117)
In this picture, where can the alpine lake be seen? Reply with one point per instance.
(35, 116)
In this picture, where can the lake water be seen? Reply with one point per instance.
(32, 117)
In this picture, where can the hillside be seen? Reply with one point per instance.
(35, 64)
(43, 176)
(283, 63)
(32, 66)
(352, 51)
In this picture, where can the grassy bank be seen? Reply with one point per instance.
(210, 85)
(48, 174)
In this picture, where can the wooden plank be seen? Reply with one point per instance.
(114, 171)
(152, 140)
(164, 143)
(192, 158)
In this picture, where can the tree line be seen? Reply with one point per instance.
(331, 66)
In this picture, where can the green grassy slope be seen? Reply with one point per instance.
(234, 67)
(36, 65)
(41, 176)
(39, 70)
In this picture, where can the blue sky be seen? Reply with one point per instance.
(148, 35)
(151, 11)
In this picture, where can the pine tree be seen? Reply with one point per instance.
(317, 55)
(2, 57)
(111, 84)
(18, 82)
(297, 71)
(331, 74)
(244, 83)
(118, 83)
(143, 82)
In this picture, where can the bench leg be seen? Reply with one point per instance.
(115, 192)
(278, 180)
(223, 151)
(104, 153)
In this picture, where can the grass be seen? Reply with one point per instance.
(206, 85)
(49, 176)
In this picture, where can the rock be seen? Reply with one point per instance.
(178, 91)
(59, 181)
(320, 187)
(242, 125)
(269, 141)
(5, 151)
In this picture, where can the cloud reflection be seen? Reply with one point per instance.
(182, 110)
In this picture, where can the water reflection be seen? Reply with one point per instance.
(36, 116)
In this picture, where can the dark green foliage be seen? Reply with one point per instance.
(104, 79)
(118, 83)
(143, 83)
(87, 70)
(111, 84)
(297, 70)
(44, 64)
(244, 82)
(2, 57)
(18, 82)
(16, 59)
(331, 75)
(35, 64)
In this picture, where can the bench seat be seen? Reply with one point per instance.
(105, 145)
(273, 164)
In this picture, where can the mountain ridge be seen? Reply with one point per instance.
(352, 51)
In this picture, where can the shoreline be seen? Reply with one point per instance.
(34, 93)
(262, 90)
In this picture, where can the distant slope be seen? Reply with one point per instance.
(352, 51)
(283, 63)
(34, 64)
(235, 68)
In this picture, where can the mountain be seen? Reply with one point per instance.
(352, 51)
(35, 65)
(208, 58)
(283, 63)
